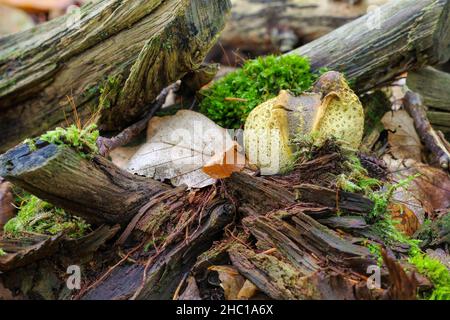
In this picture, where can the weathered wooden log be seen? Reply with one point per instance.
(94, 189)
(433, 86)
(261, 26)
(376, 48)
(340, 200)
(113, 59)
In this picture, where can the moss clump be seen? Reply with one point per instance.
(2, 252)
(109, 92)
(229, 101)
(435, 271)
(83, 140)
(38, 216)
(31, 144)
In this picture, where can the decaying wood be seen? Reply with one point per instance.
(302, 247)
(36, 267)
(159, 275)
(260, 27)
(345, 201)
(435, 143)
(376, 48)
(114, 60)
(94, 189)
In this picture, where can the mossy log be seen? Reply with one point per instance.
(91, 188)
(116, 56)
(303, 246)
(378, 47)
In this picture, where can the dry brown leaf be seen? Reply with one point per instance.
(178, 147)
(425, 194)
(403, 139)
(247, 291)
(230, 279)
(408, 223)
(403, 286)
(223, 165)
(122, 155)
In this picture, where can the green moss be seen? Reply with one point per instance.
(435, 271)
(31, 144)
(229, 101)
(384, 226)
(109, 92)
(375, 249)
(356, 178)
(38, 216)
(82, 140)
(2, 252)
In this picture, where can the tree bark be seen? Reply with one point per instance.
(94, 189)
(433, 86)
(112, 61)
(378, 47)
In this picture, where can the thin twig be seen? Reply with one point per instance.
(106, 145)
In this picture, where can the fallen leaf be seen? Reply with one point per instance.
(403, 286)
(230, 279)
(121, 156)
(178, 147)
(14, 20)
(408, 223)
(428, 192)
(247, 291)
(403, 139)
(222, 165)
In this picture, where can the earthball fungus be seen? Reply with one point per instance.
(331, 110)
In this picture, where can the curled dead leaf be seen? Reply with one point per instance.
(222, 165)
(408, 223)
(247, 291)
(403, 139)
(230, 280)
(428, 192)
(178, 147)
